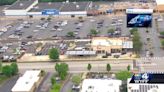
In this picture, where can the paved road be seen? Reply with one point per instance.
(6, 87)
(155, 66)
(45, 85)
(67, 86)
(78, 66)
(81, 66)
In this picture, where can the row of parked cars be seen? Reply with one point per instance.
(117, 32)
(58, 25)
(3, 53)
(18, 31)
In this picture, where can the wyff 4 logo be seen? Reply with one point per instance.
(141, 78)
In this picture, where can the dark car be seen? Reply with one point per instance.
(77, 27)
(161, 36)
(30, 36)
(23, 43)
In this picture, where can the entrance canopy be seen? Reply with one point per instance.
(76, 53)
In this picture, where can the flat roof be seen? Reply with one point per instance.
(62, 6)
(42, 6)
(21, 4)
(27, 81)
(75, 6)
(112, 42)
(160, 2)
(101, 85)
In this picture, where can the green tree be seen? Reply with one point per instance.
(93, 32)
(108, 67)
(133, 30)
(53, 80)
(0, 66)
(128, 67)
(70, 34)
(137, 44)
(81, 19)
(123, 75)
(162, 33)
(53, 54)
(111, 30)
(89, 67)
(57, 66)
(14, 68)
(62, 70)
(7, 71)
(76, 80)
(42, 19)
(49, 19)
(162, 43)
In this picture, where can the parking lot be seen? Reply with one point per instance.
(42, 29)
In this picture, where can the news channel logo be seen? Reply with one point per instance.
(141, 78)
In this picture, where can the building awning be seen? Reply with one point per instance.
(127, 45)
(74, 53)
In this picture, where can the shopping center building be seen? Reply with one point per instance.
(111, 45)
(33, 7)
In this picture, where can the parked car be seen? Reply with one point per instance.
(30, 36)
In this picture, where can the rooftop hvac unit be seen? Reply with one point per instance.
(74, 2)
(49, 3)
(67, 1)
(21, 4)
(77, 6)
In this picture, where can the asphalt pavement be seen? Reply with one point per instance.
(8, 85)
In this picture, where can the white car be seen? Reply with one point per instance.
(80, 24)
(76, 33)
(120, 20)
(64, 23)
(13, 36)
(35, 30)
(113, 24)
(59, 29)
(38, 26)
(92, 20)
(160, 20)
(25, 22)
(5, 57)
(42, 28)
(119, 24)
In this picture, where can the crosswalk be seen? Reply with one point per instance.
(151, 58)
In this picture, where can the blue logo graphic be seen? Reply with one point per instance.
(50, 12)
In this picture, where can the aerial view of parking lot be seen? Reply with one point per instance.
(81, 45)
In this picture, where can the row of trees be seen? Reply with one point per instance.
(121, 75)
(62, 69)
(162, 41)
(137, 44)
(9, 70)
(108, 67)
